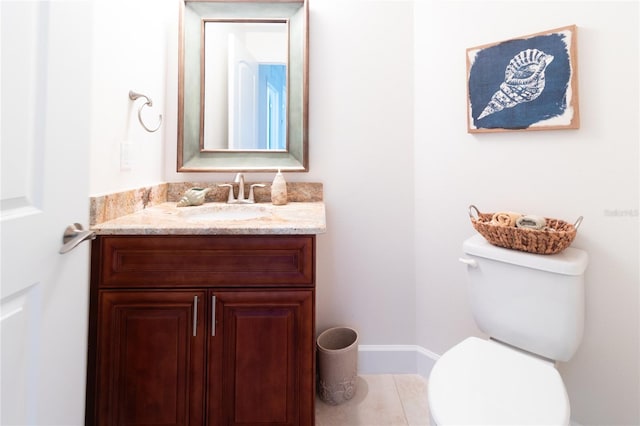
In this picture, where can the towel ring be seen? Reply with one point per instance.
(133, 96)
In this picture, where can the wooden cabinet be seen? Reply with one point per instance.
(202, 330)
(150, 358)
(263, 358)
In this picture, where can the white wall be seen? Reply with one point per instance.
(131, 52)
(590, 172)
(361, 136)
(388, 140)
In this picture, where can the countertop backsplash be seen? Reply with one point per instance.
(112, 206)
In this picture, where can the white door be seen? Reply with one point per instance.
(243, 96)
(45, 128)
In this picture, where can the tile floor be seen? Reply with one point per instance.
(380, 400)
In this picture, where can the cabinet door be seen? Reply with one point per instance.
(262, 358)
(151, 352)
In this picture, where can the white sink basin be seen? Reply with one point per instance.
(224, 212)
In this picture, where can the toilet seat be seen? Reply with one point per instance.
(482, 382)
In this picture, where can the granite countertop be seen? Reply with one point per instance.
(219, 218)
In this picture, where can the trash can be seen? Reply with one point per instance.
(337, 364)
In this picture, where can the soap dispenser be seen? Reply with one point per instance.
(279, 190)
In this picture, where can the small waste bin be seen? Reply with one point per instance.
(337, 364)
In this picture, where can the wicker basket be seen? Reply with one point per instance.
(555, 237)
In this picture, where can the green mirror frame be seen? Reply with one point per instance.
(191, 156)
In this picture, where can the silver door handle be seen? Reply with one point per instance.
(74, 235)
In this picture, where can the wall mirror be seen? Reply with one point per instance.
(243, 86)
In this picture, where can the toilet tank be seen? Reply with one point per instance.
(531, 301)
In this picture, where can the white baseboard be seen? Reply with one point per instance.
(395, 359)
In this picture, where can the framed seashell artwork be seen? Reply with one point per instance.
(526, 83)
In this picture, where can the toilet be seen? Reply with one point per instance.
(532, 308)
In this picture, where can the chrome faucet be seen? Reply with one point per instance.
(241, 200)
(240, 181)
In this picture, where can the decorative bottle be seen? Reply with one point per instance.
(279, 190)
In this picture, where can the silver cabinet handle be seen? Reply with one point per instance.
(73, 235)
(213, 315)
(195, 315)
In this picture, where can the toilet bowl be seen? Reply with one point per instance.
(483, 382)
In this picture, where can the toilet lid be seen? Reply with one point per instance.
(481, 382)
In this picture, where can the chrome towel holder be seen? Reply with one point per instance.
(133, 96)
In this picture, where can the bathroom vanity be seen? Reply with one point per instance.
(208, 323)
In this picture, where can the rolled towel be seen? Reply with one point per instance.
(505, 218)
(531, 222)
